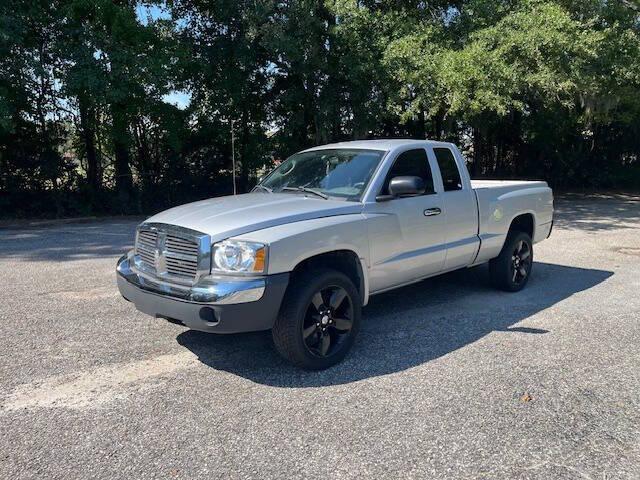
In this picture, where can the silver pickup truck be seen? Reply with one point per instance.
(329, 227)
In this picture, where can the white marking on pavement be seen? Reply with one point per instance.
(96, 387)
(86, 295)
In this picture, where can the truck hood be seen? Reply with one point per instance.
(225, 217)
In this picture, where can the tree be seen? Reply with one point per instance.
(529, 88)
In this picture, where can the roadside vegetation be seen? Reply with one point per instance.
(119, 107)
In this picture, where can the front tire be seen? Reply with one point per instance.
(318, 320)
(510, 271)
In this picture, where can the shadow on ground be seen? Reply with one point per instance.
(597, 212)
(404, 328)
(75, 241)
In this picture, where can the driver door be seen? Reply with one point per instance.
(406, 235)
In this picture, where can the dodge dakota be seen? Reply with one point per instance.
(329, 227)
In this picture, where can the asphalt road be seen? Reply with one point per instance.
(449, 378)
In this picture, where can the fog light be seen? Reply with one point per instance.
(208, 314)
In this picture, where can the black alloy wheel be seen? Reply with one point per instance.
(328, 321)
(521, 262)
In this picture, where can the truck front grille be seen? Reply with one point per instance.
(168, 251)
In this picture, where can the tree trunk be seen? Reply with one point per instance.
(120, 139)
(421, 130)
(477, 152)
(144, 163)
(87, 122)
(438, 125)
(417, 126)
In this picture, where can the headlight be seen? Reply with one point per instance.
(233, 256)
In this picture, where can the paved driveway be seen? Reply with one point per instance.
(449, 378)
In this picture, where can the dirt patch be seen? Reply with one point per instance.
(94, 388)
(83, 295)
(628, 250)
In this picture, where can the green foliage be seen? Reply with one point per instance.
(530, 88)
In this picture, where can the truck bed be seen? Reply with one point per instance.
(500, 201)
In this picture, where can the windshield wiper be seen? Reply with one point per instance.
(266, 189)
(305, 190)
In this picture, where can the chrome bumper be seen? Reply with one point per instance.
(214, 304)
(210, 290)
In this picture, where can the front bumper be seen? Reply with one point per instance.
(215, 304)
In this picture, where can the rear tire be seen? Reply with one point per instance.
(318, 320)
(510, 271)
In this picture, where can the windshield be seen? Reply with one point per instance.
(342, 173)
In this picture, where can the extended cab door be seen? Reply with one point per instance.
(406, 235)
(460, 208)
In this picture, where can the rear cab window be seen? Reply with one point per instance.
(448, 166)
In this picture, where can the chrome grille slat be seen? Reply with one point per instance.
(181, 264)
(180, 272)
(182, 261)
(185, 266)
(146, 244)
(146, 256)
(147, 240)
(173, 242)
(148, 236)
(184, 250)
(182, 256)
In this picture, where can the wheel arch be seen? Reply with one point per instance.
(343, 260)
(524, 222)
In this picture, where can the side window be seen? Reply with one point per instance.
(448, 169)
(412, 163)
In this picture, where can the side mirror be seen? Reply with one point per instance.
(406, 186)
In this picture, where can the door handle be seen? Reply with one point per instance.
(430, 212)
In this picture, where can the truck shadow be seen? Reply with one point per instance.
(406, 327)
